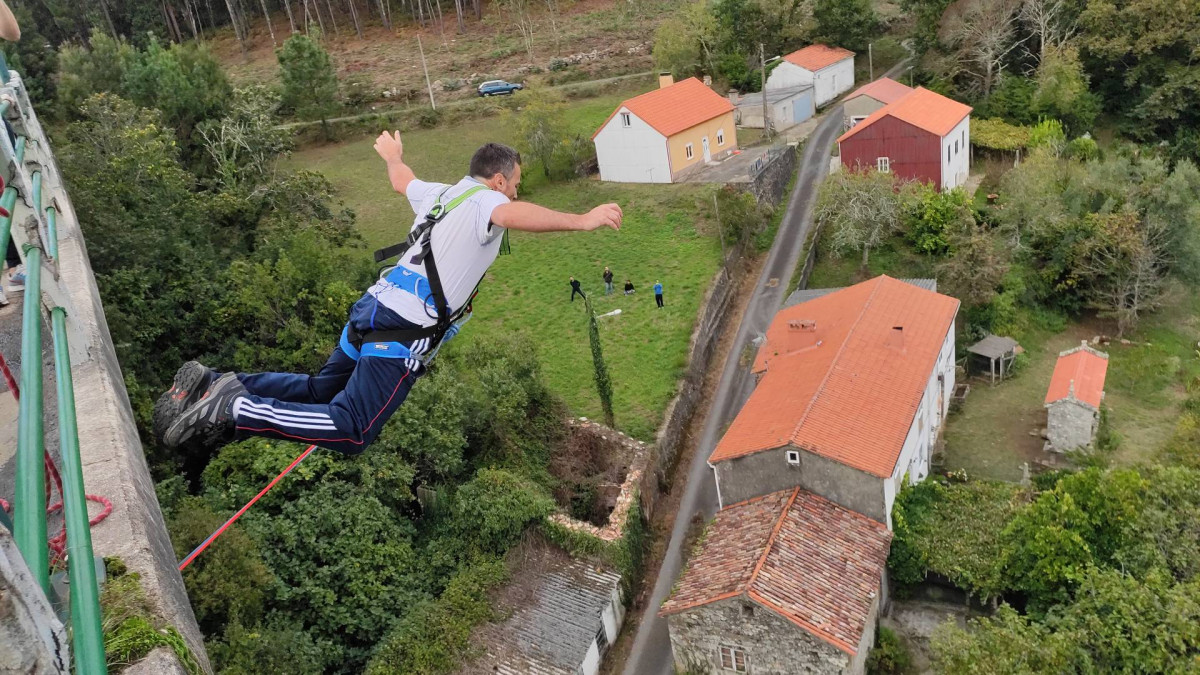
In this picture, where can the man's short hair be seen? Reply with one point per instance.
(494, 158)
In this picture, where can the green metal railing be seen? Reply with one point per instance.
(29, 508)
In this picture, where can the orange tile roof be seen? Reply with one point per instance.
(884, 90)
(1083, 369)
(673, 109)
(921, 108)
(847, 389)
(799, 555)
(816, 57)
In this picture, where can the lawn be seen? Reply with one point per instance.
(667, 235)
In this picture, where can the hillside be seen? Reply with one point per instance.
(582, 40)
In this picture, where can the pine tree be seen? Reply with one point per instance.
(603, 383)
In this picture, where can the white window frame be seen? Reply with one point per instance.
(625, 120)
(602, 643)
(689, 151)
(883, 164)
(793, 457)
(956, 147)
(720, 137)
(729, 654)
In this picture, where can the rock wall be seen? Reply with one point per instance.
(1070, 424)
(32, 639)
(769, 184)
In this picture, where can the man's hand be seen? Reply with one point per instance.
(389, 147)
(605, 215)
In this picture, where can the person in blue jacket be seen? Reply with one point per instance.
(658, 293)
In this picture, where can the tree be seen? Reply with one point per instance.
(858, 209)
(846, 23)
(976, 266)
(243, 145)
(310, 87)
(1052, 22)
(982, 33)
(1004, 643)
(1127, 267)
(185, 82)
(1062, 91)
(600, 368)
(932, 217)
(541, 127)
(494, 507)
(684, 41)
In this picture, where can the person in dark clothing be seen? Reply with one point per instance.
(658, 293)
(608, 277)
(575, 289)
(628, 287)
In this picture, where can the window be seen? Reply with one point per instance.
(793, 457)
(733, 659)
(947, 153)
(601, 639)
(625, 122)
(964, 137)
(956, 147)
(720, 137)
(688, 150)
(883, 164)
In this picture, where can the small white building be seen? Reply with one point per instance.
(1074, 397)
(828, 70)
(788, 107)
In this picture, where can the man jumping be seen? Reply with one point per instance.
(393, 331)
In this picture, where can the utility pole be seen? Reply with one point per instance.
(871, 61)
(910, 84)
(432, 103)
(762, 62)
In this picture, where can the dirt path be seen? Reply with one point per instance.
(459, 102)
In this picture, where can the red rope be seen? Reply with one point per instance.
(57, 543)
(212, 537)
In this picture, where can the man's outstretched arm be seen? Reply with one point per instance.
(391, 150)
(533, 218)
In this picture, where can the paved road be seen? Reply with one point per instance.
(651, 652)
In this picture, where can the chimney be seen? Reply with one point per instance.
(734, 96)
(708, 80)
(895, 338)
(803, 324)
(802, 334)
(665, 80)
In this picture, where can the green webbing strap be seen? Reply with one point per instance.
(453, 202)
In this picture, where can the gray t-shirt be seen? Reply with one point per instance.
(465, 244)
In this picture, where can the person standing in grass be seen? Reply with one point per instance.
(575, 289)
(608, 277)
(658, 293)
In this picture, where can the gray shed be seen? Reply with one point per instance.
(999, 351)
(789, 106)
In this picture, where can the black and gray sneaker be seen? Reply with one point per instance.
(210, 420)
(191, 381)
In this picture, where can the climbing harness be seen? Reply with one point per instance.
(422, 236)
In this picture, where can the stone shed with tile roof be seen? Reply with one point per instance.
(1073, 398)
(664, 135)
(852, 392)
(784, 583)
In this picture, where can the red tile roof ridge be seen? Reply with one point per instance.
(833, 363)
(783, 513)
(819, 632)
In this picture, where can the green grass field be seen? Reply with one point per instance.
(667, 235)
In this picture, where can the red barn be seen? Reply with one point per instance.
(923, 136)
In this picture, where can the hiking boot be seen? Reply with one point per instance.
(191, 381)
(210, 420)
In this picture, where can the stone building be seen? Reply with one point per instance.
(853, 390)
(1073, 399)
(784, 583)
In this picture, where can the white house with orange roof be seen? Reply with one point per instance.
(828, 70)
(663, 135)
(853, 390)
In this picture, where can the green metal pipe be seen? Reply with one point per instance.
(30, 507)
(19, 150)
(52, 231)
(4, 106)
(37, 190)
(87, 636)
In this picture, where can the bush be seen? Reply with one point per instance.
(557, 64)
(429, 118)
(889, 656)
(358, 91)
(1083, 148)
